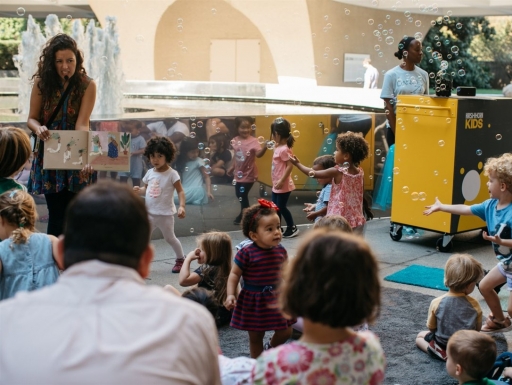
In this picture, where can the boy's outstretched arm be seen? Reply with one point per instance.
(452, 209)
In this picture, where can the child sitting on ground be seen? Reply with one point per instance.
(455, 310)
(15, 150)
(28, 260)
(331, 294)
(497, 213)
(214, 255)
(470, 355)
(319, 209)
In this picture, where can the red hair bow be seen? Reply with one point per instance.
(267, 204)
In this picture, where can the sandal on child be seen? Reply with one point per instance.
(493, 326)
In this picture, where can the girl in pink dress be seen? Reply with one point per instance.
(347, 179)
(282, 183)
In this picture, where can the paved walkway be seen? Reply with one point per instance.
(393, 256)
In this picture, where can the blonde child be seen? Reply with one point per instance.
(28, 260)
(347, 179)
(214, 255)
(243, 168)
(160, 182)
(331, 294)
(497, 213)
(317, 211)
(471, 356)
(282, 183)
(15, 150)
(259, 264)
(455, 310)
(193, 173)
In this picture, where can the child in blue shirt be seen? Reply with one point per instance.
(317, 210)
(497, 213)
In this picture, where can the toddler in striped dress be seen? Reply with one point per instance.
(260, 265)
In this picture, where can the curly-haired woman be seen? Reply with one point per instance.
(60, 66)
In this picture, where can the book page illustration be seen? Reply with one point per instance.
(72, 150)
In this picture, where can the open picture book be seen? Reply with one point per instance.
(72, 150)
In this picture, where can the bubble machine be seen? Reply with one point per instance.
(440, 151)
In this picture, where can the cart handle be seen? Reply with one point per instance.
(424, 107)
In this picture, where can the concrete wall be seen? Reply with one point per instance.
(299, 39)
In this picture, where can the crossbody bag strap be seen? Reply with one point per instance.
(52, 118)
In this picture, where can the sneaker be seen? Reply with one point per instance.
(291, 234)
(436, 351)
(177, 265)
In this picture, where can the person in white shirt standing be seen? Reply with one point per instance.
(371, 75)
(99, 323)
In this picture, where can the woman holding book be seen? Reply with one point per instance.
(62, 98)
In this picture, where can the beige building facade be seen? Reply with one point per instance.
(317, 42)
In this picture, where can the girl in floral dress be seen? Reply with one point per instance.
(341, 293)
(347, 186)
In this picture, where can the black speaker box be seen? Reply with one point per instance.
(466, 91)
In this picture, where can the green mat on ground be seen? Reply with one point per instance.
(417, 275)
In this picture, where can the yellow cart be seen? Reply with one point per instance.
(440, 150)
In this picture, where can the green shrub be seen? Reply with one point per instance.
(8, 48)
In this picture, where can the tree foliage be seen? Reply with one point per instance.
(447, 48)
(497, 48)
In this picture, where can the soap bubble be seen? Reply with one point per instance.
(139, 39)
(479, 152)
(345, 165)
(448, 120)
(405, 190)
(214, 187)
(461, 72)
(422, 196)
(20, 11)
(397, 21)
(180, 28)
(271, 144)
(390, 40)
(311, 174)
(233, 182)
(214, 11)
(192, 135)
(347, 11)
(377, 47)
(378, 152)
(253, 127)
(326, 130)
(414, 196)
(232, 142)
(242, 189)
(436, 173)
(207, 150)
(371, 21)
(336, 61)
(193, 126)
(295, 177)
(441, 143)
(191, 229)
(498, 136)
(200, 124)
(206, 161)
(404, 146)
(417, 23)
(239, 174)
(261, 139)
(458, 25)
(200, 145)
(296, 134)
(186, 168)
(396, 170)
(69, 17)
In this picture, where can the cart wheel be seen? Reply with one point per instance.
(262, 191)
(397, 235)
(444, 249)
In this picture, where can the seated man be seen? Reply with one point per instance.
(100, 323)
